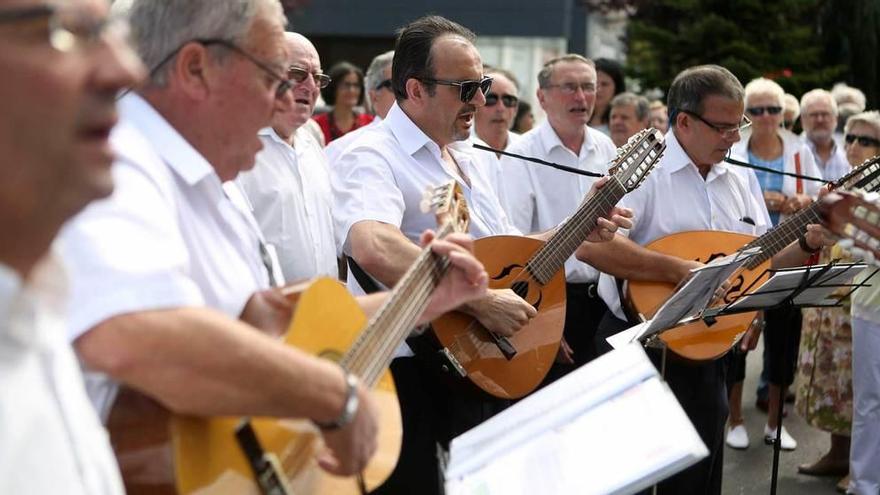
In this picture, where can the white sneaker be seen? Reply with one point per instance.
(737, 437)
(786, 440)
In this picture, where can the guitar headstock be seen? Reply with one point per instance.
(866, 176)
(854, 215)
(637, 157)
(449, 206)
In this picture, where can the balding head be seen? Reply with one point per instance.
(296, 108)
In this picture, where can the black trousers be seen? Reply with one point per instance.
(782, 339)
(702, 392)
(433, 411)
(583, 311)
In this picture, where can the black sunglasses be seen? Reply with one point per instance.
(467, 89)
(758, 111)
(863, 140)
(384, 84)
(508, 101)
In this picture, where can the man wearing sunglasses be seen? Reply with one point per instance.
(58, 94)
(380, 97)
(289, 188)
(378, 185)
(493, 122)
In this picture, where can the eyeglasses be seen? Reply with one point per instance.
(863, 140)
(384, 84)
(571, 88)
(69, 28)
(283, 83)
(758, 111)
(299, 75)
(726, 131)
(467, 89)
(509, 101)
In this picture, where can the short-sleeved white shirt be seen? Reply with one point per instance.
(289, 191)
(51, 440)
(539, 198)
(492, 164)
(383, 175)
(676, 198)
(167, 237)
(336, 147)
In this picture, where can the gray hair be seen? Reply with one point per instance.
(844, 93)
(764, 86)
(639, 103)
(376, 68)
(818, 94)
(790, 102)
(871, 119)
(693, 85)
(160, 27)
(489, 70)
(547, 71)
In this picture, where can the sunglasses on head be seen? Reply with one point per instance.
(467, 89)
(758, 111)
(863, 140)
(509, 101)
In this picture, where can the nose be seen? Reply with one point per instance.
(479, 99)
(116, 66)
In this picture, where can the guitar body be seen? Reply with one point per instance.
(697, 341)
(536, 344)
(208, 458)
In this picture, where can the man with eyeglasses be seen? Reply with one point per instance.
(378, 185)
(170, 294)
(819, 120)
(289, 188)
(379, 99)
(64, 63)
(691, 189)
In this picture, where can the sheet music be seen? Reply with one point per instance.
(585, 433)
(783, 282)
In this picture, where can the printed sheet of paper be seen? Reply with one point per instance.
(585, 433)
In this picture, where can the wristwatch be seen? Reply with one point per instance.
(348, 410)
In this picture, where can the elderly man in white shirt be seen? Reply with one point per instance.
(378, 185)
(492, 124)
(169, 292)
(819, 119)
(380, 97)
(538, 198)
(692, 190)
(289, 188)
(61, 81)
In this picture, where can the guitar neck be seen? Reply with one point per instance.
(372, 352)
(775, 239)
(565, 241)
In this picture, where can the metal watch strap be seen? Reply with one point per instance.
(348, 410)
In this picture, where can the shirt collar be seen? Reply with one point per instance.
(550, 140)
(675, 158)
(10, 287)
(407, 133)
(173, 148)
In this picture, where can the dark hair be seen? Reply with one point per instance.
(337, 73)
(615, 72)
(693, 85)
(412, 50)
(522, 110)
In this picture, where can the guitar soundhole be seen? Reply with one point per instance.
(520, 288)
(735, 287)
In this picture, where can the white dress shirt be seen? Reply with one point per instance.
(289, 190)
(167, 237)
(538, 198)
(492, 163)
(51, 440)
(835, 167)
(384, 174)
(338, 145)
(675, 198)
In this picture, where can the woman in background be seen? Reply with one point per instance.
(609, 83)
(344, 93)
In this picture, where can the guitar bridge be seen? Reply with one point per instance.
(266, 467)
(451, 362)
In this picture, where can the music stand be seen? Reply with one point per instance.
(801, 287)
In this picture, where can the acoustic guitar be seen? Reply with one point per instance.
(278, 457)
(697, 341)
(854, 215)
(512, 367)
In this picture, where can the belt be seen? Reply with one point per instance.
(589, 289)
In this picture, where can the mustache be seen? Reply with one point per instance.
(467, 109)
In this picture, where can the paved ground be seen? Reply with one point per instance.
(749, 471)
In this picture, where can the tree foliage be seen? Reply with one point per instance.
(752, 38)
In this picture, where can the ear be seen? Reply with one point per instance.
(415, 91)
(682, 120)
(191, 69)
(540, 94)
